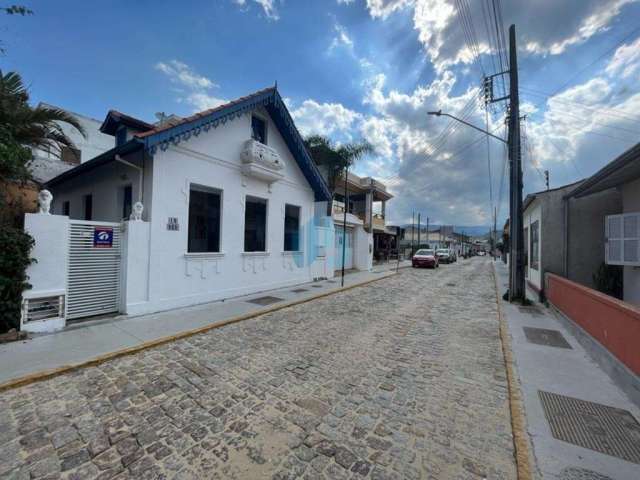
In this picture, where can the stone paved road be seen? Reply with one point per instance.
(402, 378)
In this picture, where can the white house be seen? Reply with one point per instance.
(233, 205)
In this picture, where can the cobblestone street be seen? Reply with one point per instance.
(400, 379)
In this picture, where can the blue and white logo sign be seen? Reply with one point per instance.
(103, 237)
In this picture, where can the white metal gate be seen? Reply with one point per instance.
(93, 285)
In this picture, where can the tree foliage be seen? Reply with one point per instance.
(335, 159)
(17, 10)
(22, 127)
(38, 127)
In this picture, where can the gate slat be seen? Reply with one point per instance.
(93, 273)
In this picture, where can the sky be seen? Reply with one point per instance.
(358, 70)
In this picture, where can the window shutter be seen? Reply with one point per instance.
(631, 238)
(613, 246)
(622, 233)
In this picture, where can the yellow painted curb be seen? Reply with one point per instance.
(47, 374)
(518, 423)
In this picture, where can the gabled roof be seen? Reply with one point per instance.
(153, 137)
(269, 98)
(625, 168)
(115, 118)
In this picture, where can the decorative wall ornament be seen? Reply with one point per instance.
(262, 162)
(202, 265)
(292, 260)
(44, 202)
(136, 214)
(254, 263)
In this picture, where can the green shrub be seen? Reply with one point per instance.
(15, 246)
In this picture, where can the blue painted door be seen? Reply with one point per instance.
(348, 254)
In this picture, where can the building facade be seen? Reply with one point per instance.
(548, 216)
(224, 203)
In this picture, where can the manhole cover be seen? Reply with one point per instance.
(575, 473)
(299, 290)
(607, 430)
(542, 336)
(265, 300)
(531, 311)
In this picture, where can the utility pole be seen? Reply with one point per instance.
(495, 232)
(428, 240)
(413, 230)
(418, 230)
(344, 220)
(546, 178)
(516, 236)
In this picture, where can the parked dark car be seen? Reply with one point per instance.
(425, 257)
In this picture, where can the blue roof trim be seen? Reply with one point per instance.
(271, 100)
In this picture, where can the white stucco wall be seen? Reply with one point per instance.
(212, 159)
(134, 265)
(532, 214)
(631, 280)
(48, 276)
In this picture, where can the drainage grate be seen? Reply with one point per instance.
(575, 473)
(316, 286)
(265, 300)
(331, 281)
(607, 430)
(451, 284)
(299, 290)
(542, 336)
(531, 311)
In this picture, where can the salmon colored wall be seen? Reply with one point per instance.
(612, 322)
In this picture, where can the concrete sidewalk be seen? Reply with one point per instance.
(570, 372)
(86, 341)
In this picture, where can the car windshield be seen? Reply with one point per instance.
(424, 252)
(446, 252)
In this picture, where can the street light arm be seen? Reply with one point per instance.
(440, 114)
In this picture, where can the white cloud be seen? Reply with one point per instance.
(340, 38)
(626, 60)
(312, 117)
(193, 88)
(543, 27)
(384, 8)
(181, 73)
(268, 7)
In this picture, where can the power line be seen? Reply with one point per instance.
(602, 110)
(600, 57)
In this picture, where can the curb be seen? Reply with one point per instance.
(518, 423)
(48, 374)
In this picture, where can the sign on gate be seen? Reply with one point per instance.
(103, 237)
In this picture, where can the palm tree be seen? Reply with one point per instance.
(36, 127)
(335, 160)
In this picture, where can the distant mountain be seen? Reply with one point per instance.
(474, 231)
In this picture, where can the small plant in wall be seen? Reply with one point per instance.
(608, 279)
